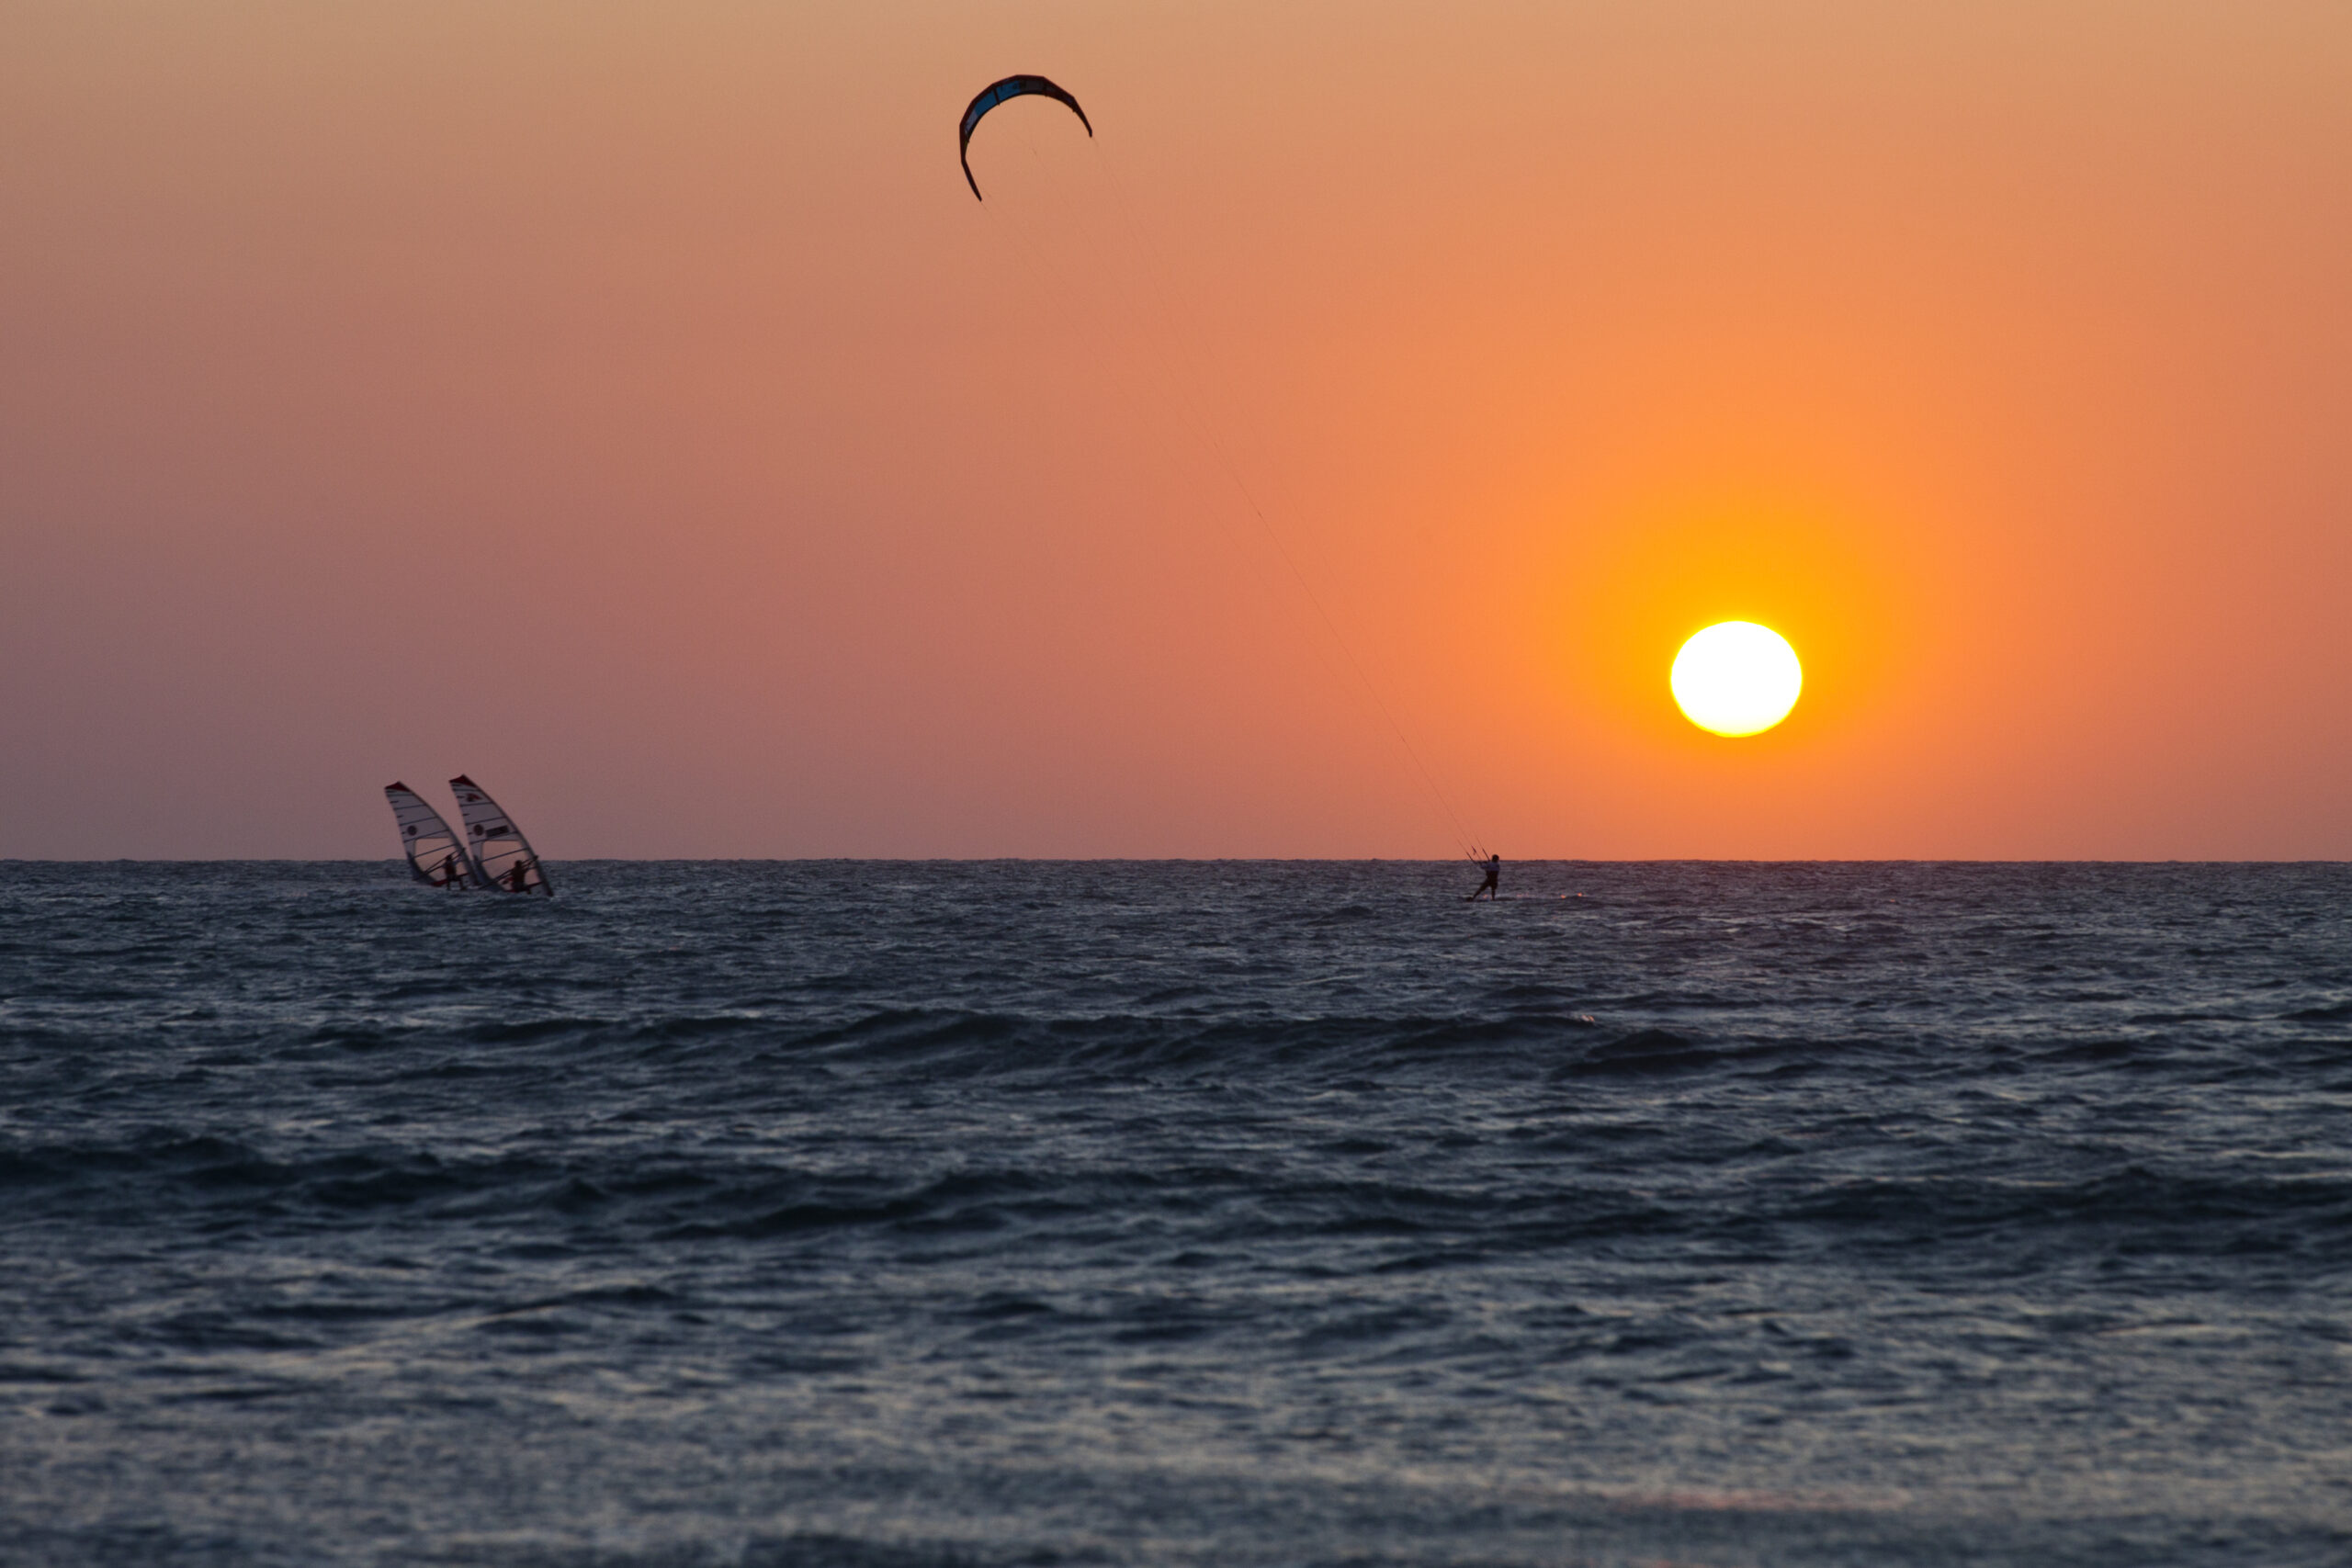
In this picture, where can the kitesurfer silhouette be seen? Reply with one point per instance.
(1492, 886)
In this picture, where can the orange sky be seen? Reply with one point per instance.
(630, 406)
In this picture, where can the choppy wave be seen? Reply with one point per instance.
(1221, 1214)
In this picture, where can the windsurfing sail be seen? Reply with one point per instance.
(434, 854)
(503, 857)
(996, 93)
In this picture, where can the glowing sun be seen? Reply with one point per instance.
(1736, 678)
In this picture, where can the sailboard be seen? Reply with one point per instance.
(435, 856)
(503, 859)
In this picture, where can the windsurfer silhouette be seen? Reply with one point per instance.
(449, 877)
(519, 879)
(1492, 886)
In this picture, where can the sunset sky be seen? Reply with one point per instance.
(630, 406)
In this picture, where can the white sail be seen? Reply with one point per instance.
(503, 857)
(435, 855)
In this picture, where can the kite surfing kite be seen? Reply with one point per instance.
(996, 93)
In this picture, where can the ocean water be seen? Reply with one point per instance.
(915, 1215)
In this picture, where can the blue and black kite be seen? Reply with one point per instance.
(996, 93)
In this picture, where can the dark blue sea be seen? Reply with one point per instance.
(961, 1215)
